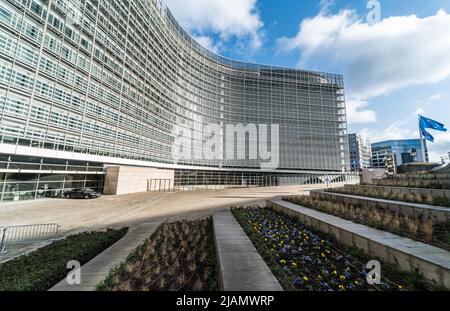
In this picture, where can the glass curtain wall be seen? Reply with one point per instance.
(115, 78)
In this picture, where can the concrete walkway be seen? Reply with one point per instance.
(432, 262)
(96, 270)
(241, 267)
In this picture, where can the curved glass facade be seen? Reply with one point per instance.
(113, 78)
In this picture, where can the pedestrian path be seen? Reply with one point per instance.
(241, 266)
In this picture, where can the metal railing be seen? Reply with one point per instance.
(2, 244)
(27, 234)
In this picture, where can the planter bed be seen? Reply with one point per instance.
(438, 214)
(43, 268)
(410, 225)
(179, 256)
(442, 175)
(305, 259)
(413, 195)
(415, 182)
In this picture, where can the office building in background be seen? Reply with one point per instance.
(360, 152)
(404, 151)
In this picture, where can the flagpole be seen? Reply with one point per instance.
(422, 142)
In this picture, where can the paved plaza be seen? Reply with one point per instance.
(132, 209)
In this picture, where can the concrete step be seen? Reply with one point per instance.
(438, 213)
(241, 266)
(96, 270)
(432, 262)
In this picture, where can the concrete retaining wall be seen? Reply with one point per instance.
(133, 179)
(432, 262)
(438, 214)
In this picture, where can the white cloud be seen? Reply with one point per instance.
(436, 97)
(443, 138)
(433, 98)
(376, 59)
(227, 19)
(325, 5)
(440, 147)
(396, 130)
(356, 112)
(208, 43)
(425, 104)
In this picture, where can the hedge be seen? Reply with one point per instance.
(45, 267)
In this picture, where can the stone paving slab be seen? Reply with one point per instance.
(96, 270)
(437, 259)
(241, 267)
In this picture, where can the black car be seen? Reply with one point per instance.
(85, 193)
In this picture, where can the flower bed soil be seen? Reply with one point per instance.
(179, 256)
(304, 259)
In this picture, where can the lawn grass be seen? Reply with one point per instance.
(45, 267)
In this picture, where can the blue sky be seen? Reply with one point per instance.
(393, 69)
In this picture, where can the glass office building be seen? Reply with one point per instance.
(92, 82)
(404, 151)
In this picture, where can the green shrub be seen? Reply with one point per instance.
(45, 267)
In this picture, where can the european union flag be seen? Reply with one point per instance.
(426, 123)
(427, 135)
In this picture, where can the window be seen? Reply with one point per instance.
(68, 32)
(28, 55)
(23, 81)
(5, 16)
(33, 32)
(37, 9)
(7, 45)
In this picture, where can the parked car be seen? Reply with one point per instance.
(48, 192)
(84, 193)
